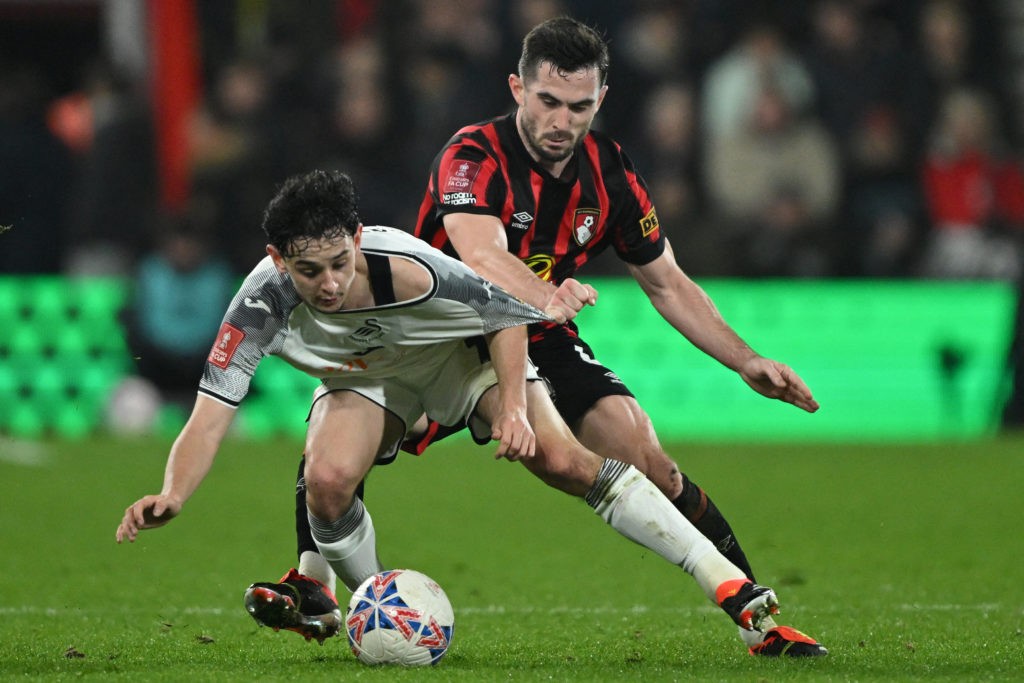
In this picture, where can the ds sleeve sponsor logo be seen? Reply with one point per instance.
(224, 347)
(649, 223)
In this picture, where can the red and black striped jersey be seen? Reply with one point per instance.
(553, 225)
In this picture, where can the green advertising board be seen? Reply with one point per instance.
(887, 360)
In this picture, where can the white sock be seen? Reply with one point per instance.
(313, 565)
(349, 545)
(634, 507)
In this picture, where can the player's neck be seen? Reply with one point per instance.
(360, 294)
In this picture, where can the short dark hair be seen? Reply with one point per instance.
(308, 207)
(569, 45)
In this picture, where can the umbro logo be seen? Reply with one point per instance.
(613, 377)
(521, 220)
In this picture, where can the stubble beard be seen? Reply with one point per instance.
(534, 142)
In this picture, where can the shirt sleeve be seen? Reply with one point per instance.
(252, 328)
(468, 180)
(638, 237)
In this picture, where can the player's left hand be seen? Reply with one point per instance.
(775, 380)
(514, 435)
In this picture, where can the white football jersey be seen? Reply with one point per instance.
(391, 340)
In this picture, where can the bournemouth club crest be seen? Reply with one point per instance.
(584, 225)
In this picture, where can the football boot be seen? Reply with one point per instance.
(747, 603)
(783, 641)
(295, 603)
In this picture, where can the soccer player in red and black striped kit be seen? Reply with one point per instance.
(526, 200)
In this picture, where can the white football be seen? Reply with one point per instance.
(399, 616)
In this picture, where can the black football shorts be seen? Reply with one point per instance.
(576, 378)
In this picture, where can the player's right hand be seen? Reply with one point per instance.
(569, 299)
(147, 512)
(515, 437)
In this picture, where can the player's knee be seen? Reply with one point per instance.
(568, 467)
(330, 487)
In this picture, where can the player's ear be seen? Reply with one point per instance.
(516, 85)
(277, 257)
(600, 96)
(357, 236)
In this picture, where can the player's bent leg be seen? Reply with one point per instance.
(617, 427)
(560, 461)
(626, 499)
(311, 562)
(632, 505)
(338, 458)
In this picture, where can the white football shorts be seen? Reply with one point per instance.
(446, 392)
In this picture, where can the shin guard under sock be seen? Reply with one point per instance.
(349, 544)
(303, 536)
(634, 507)
(705, 515)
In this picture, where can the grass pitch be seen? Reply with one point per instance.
(906, 561)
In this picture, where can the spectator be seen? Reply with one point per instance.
(667, 156)
(883, 218)
(359, 136)
(235, 143)
(649, 49)
(114, 188)
(181, 289)
(950, 55)
(974, 192)
(775, 186)
(446, 74)
(857, 73)
(35, 171)
(735, 81)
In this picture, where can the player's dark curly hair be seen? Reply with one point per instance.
(313, 206)
(567, 44)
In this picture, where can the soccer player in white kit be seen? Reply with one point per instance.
(396, 330)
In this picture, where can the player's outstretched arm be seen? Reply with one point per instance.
(685, 305)
(190, 459)
(510, 425)
(482, 245)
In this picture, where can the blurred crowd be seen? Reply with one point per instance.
(802, 138)
(780, 138)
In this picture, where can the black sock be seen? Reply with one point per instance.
(704, 514)
(303, 536)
